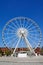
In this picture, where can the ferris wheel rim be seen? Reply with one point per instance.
(22, 18)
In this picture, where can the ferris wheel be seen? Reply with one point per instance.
(21, 32)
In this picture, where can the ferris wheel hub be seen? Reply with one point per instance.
(22, 32)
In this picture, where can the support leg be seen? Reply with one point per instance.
(16, 46)
(29, 45)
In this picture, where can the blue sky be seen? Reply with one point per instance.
(13, 8)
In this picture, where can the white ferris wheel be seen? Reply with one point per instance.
(21, 32)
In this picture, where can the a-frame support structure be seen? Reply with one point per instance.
(27, 43)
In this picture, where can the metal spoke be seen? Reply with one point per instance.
(20, 23)
(32, 28)
(9, 33)
(10, 37)
(24, 23)
(14, 25)
(35, 35)
(11, 27)
(31, 40)
(29, 26)
(11, 40)
(17, 23)
(15, 43)
(34, 38)
(9, 30)
(33, 31)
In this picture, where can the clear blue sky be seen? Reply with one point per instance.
(13, 8)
